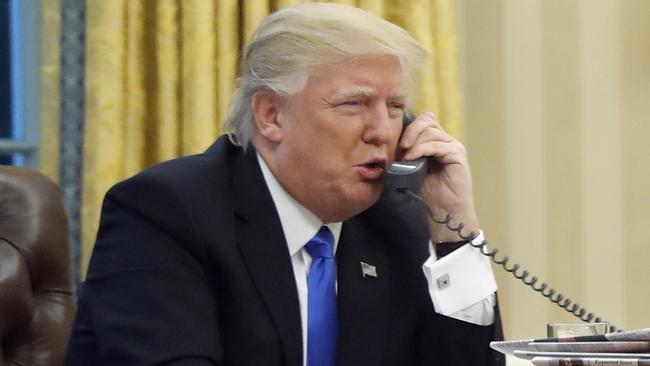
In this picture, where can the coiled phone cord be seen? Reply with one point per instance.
(523, 275)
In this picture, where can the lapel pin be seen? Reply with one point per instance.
(368, 270)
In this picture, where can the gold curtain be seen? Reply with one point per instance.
(50, 89)
(160, 75)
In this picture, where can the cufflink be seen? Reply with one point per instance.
(443, 281)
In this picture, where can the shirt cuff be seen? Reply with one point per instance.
(459, 280)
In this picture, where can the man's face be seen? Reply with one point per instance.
(339, 135)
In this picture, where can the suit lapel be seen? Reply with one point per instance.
(264, 249)
(364, 302)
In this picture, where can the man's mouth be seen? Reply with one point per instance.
(372, 169)
(376, 165)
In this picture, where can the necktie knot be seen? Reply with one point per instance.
(322, 244)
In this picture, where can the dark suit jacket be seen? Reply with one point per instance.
(191, 267)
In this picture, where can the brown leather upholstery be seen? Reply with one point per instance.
(36, 299)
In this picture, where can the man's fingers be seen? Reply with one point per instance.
(413, 132)
(432, 134)
(426, 137)
(446, 152)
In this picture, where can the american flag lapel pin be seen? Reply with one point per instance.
(368, 270)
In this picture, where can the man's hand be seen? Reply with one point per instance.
(448, 185)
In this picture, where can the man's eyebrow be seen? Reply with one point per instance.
(353, 92)
(363, 92)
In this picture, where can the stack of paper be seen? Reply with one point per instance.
(622, 348)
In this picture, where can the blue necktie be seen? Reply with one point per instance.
(321, 287)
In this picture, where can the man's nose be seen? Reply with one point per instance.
(380, 127)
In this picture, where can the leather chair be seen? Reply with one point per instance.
(37, 304)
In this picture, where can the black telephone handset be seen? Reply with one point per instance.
(404, 175)
(403, 182)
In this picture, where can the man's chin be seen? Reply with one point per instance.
(357, 203)
(351, 201)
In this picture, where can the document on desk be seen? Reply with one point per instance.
(529, 355)
(607, 347)
(508, 347)
(571, 361)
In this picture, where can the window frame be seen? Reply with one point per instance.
(25, 25)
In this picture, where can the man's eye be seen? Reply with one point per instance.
(352, 103)
(396, 110)
(399, 106)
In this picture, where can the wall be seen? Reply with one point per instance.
(556, 98)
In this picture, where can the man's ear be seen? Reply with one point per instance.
(265, 107)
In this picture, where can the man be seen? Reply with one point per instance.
(227, 257)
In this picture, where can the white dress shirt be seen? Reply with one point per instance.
(461, 284)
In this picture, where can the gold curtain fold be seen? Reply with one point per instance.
(447, 65)
(160, 75)
(51, 89)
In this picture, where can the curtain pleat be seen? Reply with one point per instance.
(253, 13)
(227, 31)
(105, 113)
(199, 72)
(446, 66)
(160, 75)
(163, 48)
(51, 89)
(278, 4)
(134, 94)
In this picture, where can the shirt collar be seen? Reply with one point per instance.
(298, 223)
